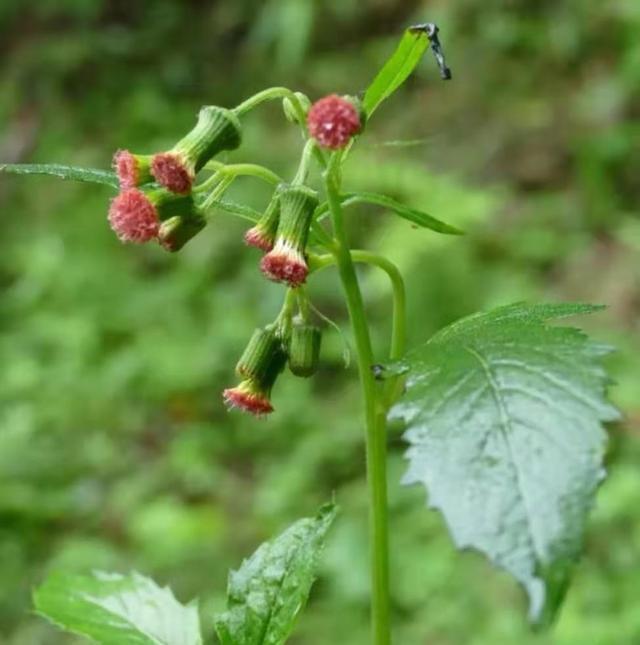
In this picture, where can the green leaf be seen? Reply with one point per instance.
(504, 418)
(268, 591)
(75, 173)
(114, 609)
(406, 212)
(395, 71)
(245, 212)
(411, 214)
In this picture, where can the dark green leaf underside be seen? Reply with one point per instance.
(114, 609)
(504, 420)
(266, 594)
(396, 70)
(75, 173)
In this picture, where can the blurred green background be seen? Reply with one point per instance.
(115, 449)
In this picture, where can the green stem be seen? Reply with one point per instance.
(375, 417)
(269, 95)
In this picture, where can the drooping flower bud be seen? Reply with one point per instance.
(217, 129)
(304, 349)
(334, 120)
(136, 215)
(263, 234)
(259, 366)
(178, 230)
(286, 261)
(132, 170)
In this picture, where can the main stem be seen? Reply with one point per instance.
(375, 420)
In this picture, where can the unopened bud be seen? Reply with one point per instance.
(291, 113)
(286, 261)
(175, 232)
(259, 366)
(217, 129)
(304, 349)
(263, 234)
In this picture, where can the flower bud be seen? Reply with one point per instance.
(259, 366)
(286, 261)
(334, 120)
(304, 349)
(217, 129)
(175, 232)
(136, 215)
(263, 234)
(132, 170)
(289, 111)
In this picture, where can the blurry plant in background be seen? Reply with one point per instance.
(91, 477)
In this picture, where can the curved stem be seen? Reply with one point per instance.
(269, 95)
(375, 417)
(398, 330)
(238, 170)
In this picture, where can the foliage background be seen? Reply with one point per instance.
(115, 450)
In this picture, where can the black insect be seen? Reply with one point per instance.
(431, 30)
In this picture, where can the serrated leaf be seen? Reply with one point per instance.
(395, 71)
(266, 594)
(114, 609)
(504, 418)
(75, 173)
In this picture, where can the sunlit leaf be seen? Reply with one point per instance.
(271, 587)
(75, 173)
(114, 609)
(504, 418)
(395, 71)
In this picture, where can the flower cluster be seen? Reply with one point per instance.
(155, 200)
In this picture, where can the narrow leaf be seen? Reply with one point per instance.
(411, 214)
(245, 212)
(75, 173)
(114, 609)
(395, 71)
(504, 420)
(268, 591)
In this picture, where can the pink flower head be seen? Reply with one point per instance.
(332, 121)
(285, 263)
(258, 238)
(132, 170)
(248, 397)
(133, 217)
(171, 171)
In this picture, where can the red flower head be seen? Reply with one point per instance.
(139, 216)
(133, 217)
(286, 261)
(248, 397)
(333, 121)
(217, 129)
(132, 170)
